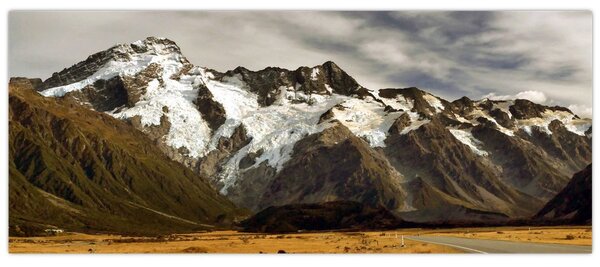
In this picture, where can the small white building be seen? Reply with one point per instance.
(54, 231)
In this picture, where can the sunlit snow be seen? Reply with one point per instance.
(399, 103)
(465, 137)
(434, 102)
(366, 118)
(577, 126)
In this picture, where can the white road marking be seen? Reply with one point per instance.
(450, 245)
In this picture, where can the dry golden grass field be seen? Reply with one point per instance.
(322, 242)
(552, 235)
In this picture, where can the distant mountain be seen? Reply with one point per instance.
(574, 203)
(311, 135)
(74, 168)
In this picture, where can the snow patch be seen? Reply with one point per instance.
(467, 138)
(577, 126)
(328, 88)
(188, 129)
(527, 129)
(461, 119)
(399, 103)
(478, 112)
(416, 124)
(366, 118)
(504, 106)
(314, 73)
(434, 102)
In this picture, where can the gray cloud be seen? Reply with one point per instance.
(450, 54)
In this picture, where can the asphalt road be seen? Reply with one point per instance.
(472, 245)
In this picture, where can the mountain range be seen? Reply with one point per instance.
(137, 129)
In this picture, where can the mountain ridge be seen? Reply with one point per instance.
(242, 128)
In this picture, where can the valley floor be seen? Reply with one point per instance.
(322, 242)
(581, 235)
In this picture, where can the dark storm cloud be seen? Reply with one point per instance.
(561, 73)
(451, 25)
(452, 54)
(494, 61)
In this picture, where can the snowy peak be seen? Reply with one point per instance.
(159, 46)
(512, 116)
(525, 109)
(271, 83)
(119, 60)
(413, 99)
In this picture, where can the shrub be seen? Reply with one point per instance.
(195, 250)
(245, 239)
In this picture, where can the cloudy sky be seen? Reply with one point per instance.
(542, 56)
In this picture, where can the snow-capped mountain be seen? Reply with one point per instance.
(314, 134)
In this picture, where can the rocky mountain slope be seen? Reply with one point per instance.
(314, 134)
(74, 168)
(574, 203)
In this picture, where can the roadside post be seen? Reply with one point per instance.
(401, 240)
